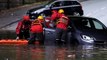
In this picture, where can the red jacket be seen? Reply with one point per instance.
(60, 15)
(36, 27)
(54, 15)
(63, 23)
(23, 25)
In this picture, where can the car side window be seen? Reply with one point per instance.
(82, 23)
(66, 3)
(97, 25)
(85, 23)
(56, 4)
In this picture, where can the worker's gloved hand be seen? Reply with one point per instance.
(51, 25)
(17, 38)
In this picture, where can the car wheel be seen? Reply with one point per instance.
(76, 14)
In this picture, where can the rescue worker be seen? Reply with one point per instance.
(36, 30)
(56, 15)
(61, 29)
(60, 13)
(53, 18)
(22, 29)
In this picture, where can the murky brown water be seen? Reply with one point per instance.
(37, 52)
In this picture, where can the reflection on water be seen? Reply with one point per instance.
(37, 52)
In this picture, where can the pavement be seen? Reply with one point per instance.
(13, 15)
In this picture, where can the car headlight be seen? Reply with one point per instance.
(88, 39)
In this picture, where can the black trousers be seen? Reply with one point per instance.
(61, 34)
(24, 34)
(34, 36)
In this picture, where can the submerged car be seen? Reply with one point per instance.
(82, 30)
(71, 7)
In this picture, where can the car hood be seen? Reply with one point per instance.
(38, 9)
(97, 34)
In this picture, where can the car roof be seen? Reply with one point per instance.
(70, 16)
(64, 0)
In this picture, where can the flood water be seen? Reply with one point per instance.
(50, 51)
(39, 52)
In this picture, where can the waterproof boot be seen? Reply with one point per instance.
(31, 42)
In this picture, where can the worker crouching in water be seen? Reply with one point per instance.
(22, 29)
(61, 29)
(37, 31)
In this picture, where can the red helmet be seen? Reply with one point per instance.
(26, 17)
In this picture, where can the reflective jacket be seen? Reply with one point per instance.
(36, 27)
(60, 15)
(62, 23)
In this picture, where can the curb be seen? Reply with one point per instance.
(10, 24)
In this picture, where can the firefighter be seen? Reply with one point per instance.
(53, 18)
(36, 30)
(61, 29)
(22, 29)
(60, 13)
(56, 15)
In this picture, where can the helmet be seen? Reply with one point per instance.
(61, 11)
(40, 17)
(26, 17)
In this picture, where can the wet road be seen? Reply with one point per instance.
(52, 52)
(39, 52)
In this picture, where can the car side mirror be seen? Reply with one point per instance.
(50, 7)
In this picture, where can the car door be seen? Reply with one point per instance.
(100, 30)
(49, 35)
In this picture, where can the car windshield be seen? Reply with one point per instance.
(87, 24)
(48, 2)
